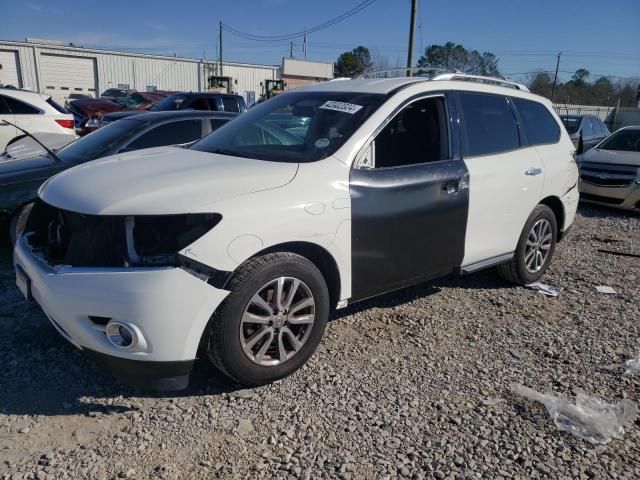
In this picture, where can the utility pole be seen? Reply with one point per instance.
(412, 26)
(290, 49)
(555, 78)
(220, 48)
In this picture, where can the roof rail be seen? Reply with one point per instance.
(421, 72)
(481, 79)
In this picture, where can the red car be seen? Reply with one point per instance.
(88, 111)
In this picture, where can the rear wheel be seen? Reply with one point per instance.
(272, 321)
(19, 222)
(535, 248)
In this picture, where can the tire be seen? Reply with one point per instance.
(19, 222)
(230, 332)
(522, 270)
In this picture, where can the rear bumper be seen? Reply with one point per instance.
(627, 198)
(167, 307)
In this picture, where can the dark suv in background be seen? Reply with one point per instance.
(585, 131)
(214, 102)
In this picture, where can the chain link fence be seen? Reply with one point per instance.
(613, 117)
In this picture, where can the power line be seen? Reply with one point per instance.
(290, 36)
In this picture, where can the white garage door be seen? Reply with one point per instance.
(62, 75)
(9, 69)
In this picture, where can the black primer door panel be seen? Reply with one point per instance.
(408, 224)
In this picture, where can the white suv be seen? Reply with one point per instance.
(33, 112)
(240, 246)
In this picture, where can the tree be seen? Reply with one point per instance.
(353, 63)
(455, 56)
(579, 78)
(541, 84)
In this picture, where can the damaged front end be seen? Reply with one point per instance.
(64, 238)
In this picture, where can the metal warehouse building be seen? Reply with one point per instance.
(58, 70)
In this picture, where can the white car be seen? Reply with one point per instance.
(33, 112)
(240, 246)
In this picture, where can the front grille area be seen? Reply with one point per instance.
(68, 238)
(598, 198)
(607, 175)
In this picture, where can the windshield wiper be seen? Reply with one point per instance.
(47, 149)
(233, 153)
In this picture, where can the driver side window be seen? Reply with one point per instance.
(417, 134)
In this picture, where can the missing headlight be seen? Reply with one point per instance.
(157, 239)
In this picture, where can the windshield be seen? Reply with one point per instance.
(572, 124)
(623, 141)
(100, 141)
(172, 102)
(132, 101)
(294, 127)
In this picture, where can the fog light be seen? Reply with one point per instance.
(121, 335)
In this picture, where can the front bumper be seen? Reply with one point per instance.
(168, 306)
(627, 197)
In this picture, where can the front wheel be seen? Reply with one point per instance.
(534, 250)
(272, 321)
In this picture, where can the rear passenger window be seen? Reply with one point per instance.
(20, 108)
(174, 133)
(538, 123)
(230, 104)
(489, 124)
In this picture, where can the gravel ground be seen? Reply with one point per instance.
(413, 385)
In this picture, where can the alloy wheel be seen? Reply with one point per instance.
(277, 321)
(538, 245)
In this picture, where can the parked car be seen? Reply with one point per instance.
(20, 179)
(622, 117)
(88, 112)
(32, 111)
(182, 101)
(242, 244)
(74, 96)
(585, 131)
(610, 172)
(113, 93)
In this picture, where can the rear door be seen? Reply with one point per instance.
(505, 177)
(409, 200)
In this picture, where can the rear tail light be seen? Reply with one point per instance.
(65, 123)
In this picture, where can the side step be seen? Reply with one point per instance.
(489, 262)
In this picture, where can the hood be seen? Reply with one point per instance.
(162, 180)
(611, 156)
(12, 170)
(93, 106)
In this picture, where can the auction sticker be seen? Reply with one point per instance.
(349, 108)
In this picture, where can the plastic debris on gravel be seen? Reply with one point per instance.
(591, 419)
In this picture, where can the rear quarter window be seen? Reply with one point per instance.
(18, 107)
(490, 125)
(230, 104)
(540, 126)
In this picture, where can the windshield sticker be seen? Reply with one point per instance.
(349, 108)
(322, 143)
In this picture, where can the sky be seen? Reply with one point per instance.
(526, 35)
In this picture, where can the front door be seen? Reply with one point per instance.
(409, 202)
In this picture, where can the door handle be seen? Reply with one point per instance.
(451, 187)
(533, 171)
